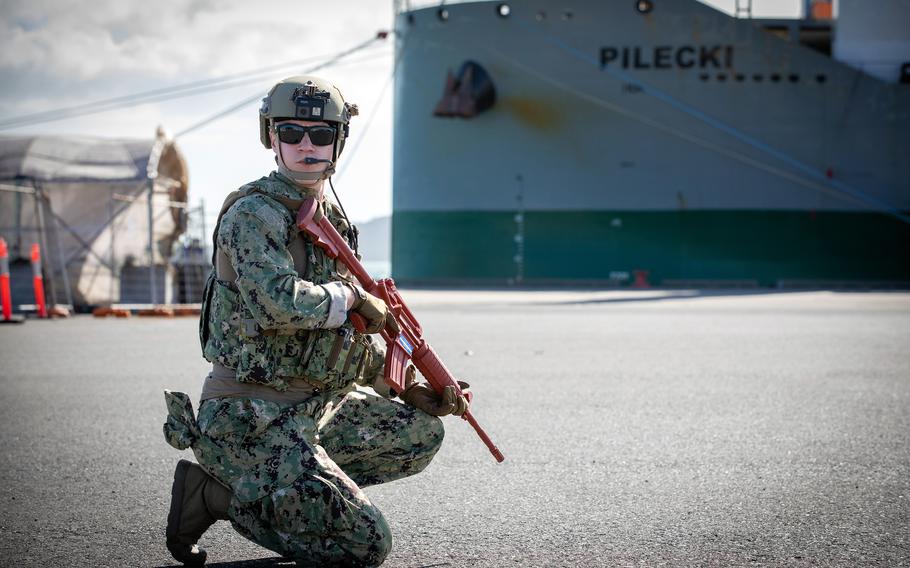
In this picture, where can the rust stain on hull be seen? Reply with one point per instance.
(537, 113)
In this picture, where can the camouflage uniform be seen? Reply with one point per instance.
(296, 469)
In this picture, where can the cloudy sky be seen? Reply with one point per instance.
(56, 54)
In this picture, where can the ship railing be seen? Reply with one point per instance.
(411, 5)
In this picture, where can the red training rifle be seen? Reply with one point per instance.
(406, 345)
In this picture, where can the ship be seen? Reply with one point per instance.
(651, 143)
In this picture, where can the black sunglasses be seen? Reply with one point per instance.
(320, 135)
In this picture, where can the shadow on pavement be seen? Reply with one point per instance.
(665, 294)
(274, 562)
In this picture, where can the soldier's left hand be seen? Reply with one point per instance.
(422, 396)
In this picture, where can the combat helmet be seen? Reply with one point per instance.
(304, 97)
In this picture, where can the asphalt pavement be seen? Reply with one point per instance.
(640, 429)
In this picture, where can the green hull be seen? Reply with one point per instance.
(762, 248)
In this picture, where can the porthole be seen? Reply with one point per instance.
(503, 10)
(758, 78)
(704, 76)
(740, 77)
(721, 77)
(442, 14)
(644, 6)
(567, 15)
(775, 78)
(793, 78)
(821, 78)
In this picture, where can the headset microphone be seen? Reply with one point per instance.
(309, 160)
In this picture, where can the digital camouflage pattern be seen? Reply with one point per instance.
(296, 471)
(266, 324)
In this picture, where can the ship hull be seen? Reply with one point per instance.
(685, 145)
(681, 248)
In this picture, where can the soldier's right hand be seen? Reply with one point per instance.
(374, 311)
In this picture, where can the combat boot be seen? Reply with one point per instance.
(197, 501)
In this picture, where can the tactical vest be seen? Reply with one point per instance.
(325, 358)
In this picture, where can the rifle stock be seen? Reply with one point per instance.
(408, 344)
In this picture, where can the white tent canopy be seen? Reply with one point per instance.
(74, 159)
(85, 201)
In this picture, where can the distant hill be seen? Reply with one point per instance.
(375, 239)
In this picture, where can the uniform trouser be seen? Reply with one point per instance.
(298, 483)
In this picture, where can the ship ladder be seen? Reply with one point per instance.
(744, 9)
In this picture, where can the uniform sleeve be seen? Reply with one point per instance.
(372, 375)
(253, 234)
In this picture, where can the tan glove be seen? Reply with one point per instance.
(423, 397)
(373, 310)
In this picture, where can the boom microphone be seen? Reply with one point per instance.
(309, 160)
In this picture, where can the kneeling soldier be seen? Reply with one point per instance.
(284, 439)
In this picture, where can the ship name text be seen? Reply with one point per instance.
(668, 57)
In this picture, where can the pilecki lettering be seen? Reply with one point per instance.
(667, 57)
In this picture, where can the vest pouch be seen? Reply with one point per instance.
(334, 356)
(257, 364)
(235, 339)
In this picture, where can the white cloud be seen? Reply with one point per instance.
(84, 40)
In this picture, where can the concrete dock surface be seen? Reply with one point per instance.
(652, 428)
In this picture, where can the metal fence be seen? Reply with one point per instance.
(131, 246)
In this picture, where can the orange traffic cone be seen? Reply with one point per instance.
(6, 298)
(38, 281)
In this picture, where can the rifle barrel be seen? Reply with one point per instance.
(483, 436)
